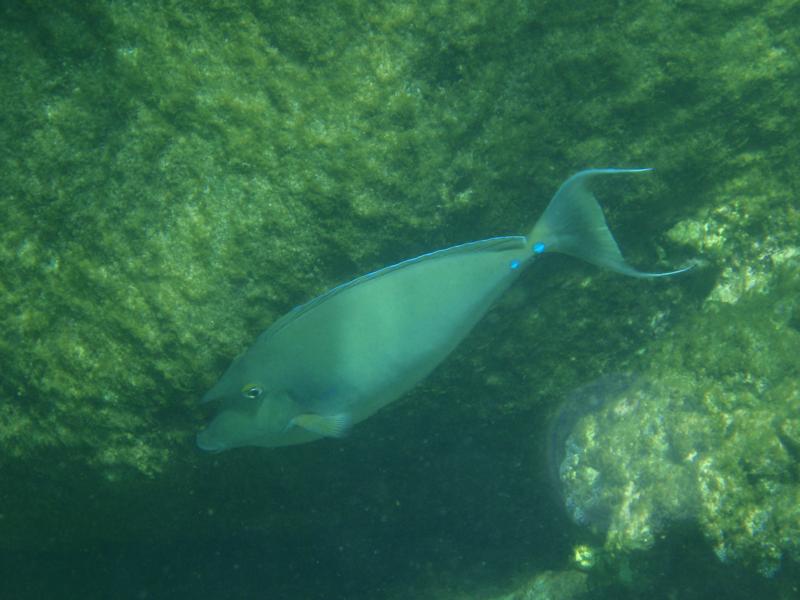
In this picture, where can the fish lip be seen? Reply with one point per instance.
(208, 447)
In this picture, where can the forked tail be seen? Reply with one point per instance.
(573, 223)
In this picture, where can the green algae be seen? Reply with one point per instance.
(175, 178)
(709, 432)
(179, 178)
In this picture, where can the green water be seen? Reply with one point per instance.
(176, 176)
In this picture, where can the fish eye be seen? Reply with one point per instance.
(252, 391)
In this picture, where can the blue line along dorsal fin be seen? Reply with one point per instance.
(495, 244)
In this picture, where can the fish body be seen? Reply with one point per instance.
(341, 357)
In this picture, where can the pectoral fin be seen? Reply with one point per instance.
(328, 426)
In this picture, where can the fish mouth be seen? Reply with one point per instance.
(204, 443)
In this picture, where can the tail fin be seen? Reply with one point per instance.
(573, 224)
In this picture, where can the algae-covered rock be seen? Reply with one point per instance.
(708, 430)
(175, 179)
(705, 432)
(177, 175)
(552, 585)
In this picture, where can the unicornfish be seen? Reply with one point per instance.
(339, 358)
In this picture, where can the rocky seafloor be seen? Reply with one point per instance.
(175, 177)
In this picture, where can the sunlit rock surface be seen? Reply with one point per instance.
(175, 176)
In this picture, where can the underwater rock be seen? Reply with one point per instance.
(553, 585)
(619, 473)
(579, 403)
(709, 431)
(176, 176)
(717, 446)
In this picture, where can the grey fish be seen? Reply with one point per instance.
(339, 358)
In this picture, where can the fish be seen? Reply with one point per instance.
(338, 359)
